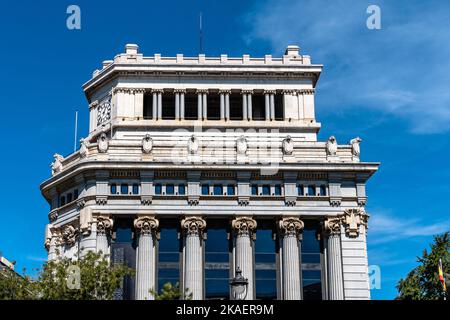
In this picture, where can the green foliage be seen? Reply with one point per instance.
(14, 286)
(171, 292)
(96, 277)
(422, 283)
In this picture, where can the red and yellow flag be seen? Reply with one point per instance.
(441, 275)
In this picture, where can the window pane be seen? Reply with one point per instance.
(266, 190)
(205, 189)
(278, 190)
(265, 265)
(69, 197)
(75, 194)
(254, 190)
(181, 189)
(157, 189)
(218, 190)
(230, 190)
(311, 265)
(300, 190)
(217, 266)
(135, 189)
(170, 189)
(114, 189)
(63, 201)
(124, 189)
(323, 191)
(311, 190)
(168, 257)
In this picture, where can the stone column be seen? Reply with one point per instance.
(160, 92)
(222, 105)
(272, 106)
(182, 104)
(290, 229)
(104, 226)
(227, 105)
(243, 228)
(332, 228)
(177, 105)
(205, 106)
(199, 104)
(267, 105)
(249, 106)
(146, 257)
(155, 105)
(244, 105)
(193, 263)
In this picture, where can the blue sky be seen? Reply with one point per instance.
(388, 86)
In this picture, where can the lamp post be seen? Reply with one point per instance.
(239, 285)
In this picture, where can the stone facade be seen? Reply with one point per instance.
(196, 142)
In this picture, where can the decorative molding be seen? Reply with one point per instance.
(53, 215)
(290, 201)
(244, 226)
(291, 226)
(86, 220)
(69, 235)
(81, 202)
(332, 225)
(270, 91)
(146, 200)
(193, 225)
(200, 91)
(246, 91)
(243, 201)
(193, 200)
(146, 224)
(101, 200)
(335, 202)
(353, 219)
(306, 91)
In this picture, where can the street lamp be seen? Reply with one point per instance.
(239, 285)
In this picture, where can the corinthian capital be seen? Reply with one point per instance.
(244, 225)
(193, 225)
(291, 226)
(332, 225)
(104, 224)
(146, 224)
(353, 219)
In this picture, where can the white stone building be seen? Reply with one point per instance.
(195, 166)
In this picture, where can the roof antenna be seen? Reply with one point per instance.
(201, 35)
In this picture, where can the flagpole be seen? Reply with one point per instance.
(76, 132)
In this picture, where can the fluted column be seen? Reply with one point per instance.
(205, 105)
(193, 267)
(177, 105)
(182, 104)
(104, 226)
(244, 105)
(334, 259)
(249, 106)
(222, 105)
(244, 228)
(290, 229)
(272, 106)
(267, 105)
(160, 92)
(155, 105)
(146, 257)
(227, 105)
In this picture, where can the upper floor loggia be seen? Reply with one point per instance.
(133, 90)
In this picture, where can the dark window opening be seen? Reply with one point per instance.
(213, 106)
(258, 107)
(217, 265)
(311, 191)
(265, 265)
(236, 106)
(230, 190)
(170, 189)
(113, 188)
(148, 106)
(124, 189)
(254, 190)
(266, 190)
(191, 106)
(158, 188)
(75, 194)
(311, 264)
(278, 190)
(62, 201)
(218, 190)
(181, 189)
(323, 191)
(168, 106)
(168, 256)
(205, 189)
(69, 198)
(135, 188)
(279, 108)
(300, 191)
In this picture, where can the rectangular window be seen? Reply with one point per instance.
(124, 189)
(311, 191)
(236, 106)
(158, 188)
(213, 106)
(168, 257)
(279, 108)
(135, 188)
(69, 198)
(218, 190)
(148, 106)
(266, 190)
(191, 106)
(168, 106)
(258, 107)
(217, 265)
(205, 189)
(323, 190)
(265, 265)
(311, 265)
(254, 190)
(278, 190)
(75, 194)
(62, 201)
(181, 189)
(170, 189)
(230, 190)
(300, 191)
(113, 188)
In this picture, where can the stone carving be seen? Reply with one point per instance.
(193, 145)
(288, 146)
(353, 219)
(104, 112)
(146, 200)
(291, 226)
(356, 151)
(332, 225)
(244, 225)
(241, 145)
(53, 215)
(101, 200)
(193, 225)
(147, 144)
(104, 225)
(69, 235)
(57, 163)
(48, 236)
(146, 224)
(102, 143)
(86, 221)
(331, 146)
(84, 144)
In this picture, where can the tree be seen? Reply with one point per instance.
(171, 292)
(15, 287)
(422, 283)
(90, 277)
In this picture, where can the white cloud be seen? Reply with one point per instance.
(401, 69)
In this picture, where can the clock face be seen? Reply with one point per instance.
(104, 112)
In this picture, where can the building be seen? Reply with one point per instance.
(195, 166)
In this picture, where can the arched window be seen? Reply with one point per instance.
(124, 188)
